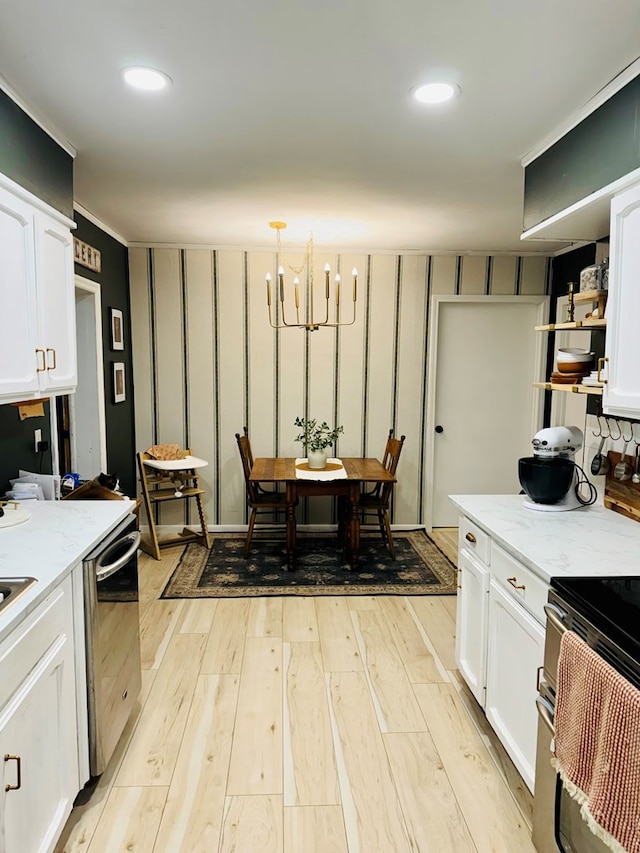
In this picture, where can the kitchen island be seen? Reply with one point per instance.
(43, 693)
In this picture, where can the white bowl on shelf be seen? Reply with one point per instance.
(573, 354)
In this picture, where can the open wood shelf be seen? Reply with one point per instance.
(590, 295)
(577, 324)
(572, 389)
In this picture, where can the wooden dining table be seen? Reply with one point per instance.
(282, 470)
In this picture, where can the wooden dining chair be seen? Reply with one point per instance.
(376, 500)
(259, 500)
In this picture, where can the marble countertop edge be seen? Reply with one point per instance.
(589, 541)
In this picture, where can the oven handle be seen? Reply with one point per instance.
(102, 571)
(554, 615)
(545, 711)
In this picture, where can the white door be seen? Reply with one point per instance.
(484, 357)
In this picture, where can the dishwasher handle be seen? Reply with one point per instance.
(105, 571)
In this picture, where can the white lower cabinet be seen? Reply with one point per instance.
(500, 640)
(471, 621)
(38, 727)
(515, 650)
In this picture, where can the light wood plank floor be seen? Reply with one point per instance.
(302, 725)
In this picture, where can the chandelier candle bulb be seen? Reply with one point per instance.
(337, 281)
(268, 280)
(296, 285)
(327, 270)
(354, 273)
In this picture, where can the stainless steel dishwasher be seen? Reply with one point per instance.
(112, 629)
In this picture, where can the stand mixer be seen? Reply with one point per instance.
(550, 477)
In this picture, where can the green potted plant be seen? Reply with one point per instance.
(315, 438)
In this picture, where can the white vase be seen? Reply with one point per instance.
(317, 459)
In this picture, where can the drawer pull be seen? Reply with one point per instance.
(44, 361)
(514, 583)
(18, 761)
(470, 537)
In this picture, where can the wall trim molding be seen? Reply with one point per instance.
(56, 135)
(339, 250)
(99, 223)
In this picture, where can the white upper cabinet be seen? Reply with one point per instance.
(621, 395)
(37, 298)
(18, 319)
(56, 303)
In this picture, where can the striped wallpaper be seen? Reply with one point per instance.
(206, 362)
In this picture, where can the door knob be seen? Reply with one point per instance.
(439, 429)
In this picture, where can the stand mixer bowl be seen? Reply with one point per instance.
(545, 481)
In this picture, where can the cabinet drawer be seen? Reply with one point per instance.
(22, 649)
(519, 581)
(472, 538)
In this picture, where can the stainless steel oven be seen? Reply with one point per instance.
(112, 630)
(604, 613)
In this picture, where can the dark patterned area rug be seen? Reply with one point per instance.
(420, 568)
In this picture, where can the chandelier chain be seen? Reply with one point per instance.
(307, 260)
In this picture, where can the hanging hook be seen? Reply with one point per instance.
(611, 435)
(599, 433)
(630, 432)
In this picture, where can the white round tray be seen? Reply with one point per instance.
(176, 464)
(14, 516)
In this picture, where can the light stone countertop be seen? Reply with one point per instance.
(47, 546)
(586, 541)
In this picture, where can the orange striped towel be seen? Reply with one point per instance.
(597, 743)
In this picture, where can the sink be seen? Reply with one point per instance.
(12, 588)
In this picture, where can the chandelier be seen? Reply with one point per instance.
(308, 322)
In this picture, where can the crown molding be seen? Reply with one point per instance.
(99, 224)
(56, 135)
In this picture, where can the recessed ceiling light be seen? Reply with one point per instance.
(436, 93)
(146, 78)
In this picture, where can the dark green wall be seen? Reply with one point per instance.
(114, 288)
(602, 148)
(31, 158)
(17, 447)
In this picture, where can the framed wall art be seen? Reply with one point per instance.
(119, 388)
(117, 329)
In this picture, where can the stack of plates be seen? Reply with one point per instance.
(592, 380)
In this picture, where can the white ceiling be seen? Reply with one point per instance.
(300, 110)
